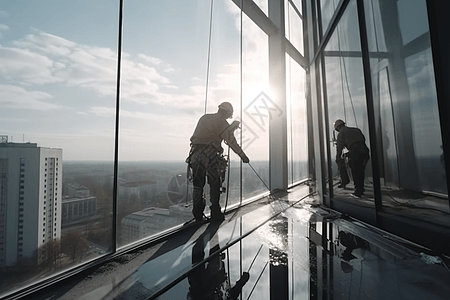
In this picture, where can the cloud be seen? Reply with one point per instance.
(31, 67)
(18, 98)
(149, 59)
(111, 111)
(43, 58)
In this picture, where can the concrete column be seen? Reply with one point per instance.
(277, 78)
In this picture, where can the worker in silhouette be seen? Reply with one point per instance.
(206, 158)
(358, 154)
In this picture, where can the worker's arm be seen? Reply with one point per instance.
(230, 140)
(340, 147)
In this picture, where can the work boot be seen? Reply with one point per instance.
(198, 204)
(344, 181)
(216, 214)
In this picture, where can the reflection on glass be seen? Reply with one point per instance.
(344, 82)
(57, 91)
(425, 122)
(389, 143)
(328, 8)
(403, 80)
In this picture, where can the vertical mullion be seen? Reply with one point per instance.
(116, 142)
(370, 107)
(325, 103)
(440, 47)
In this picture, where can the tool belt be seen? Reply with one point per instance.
(208, 156)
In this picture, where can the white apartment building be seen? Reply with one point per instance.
(30, 199)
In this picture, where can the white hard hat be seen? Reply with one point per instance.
(338, 123)
(227, 106)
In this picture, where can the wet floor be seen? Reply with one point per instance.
(286, 249)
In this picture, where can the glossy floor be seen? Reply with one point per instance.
(285, 249)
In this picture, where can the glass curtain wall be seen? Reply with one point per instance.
(406, 129)
(179, 64)
(411, 156)
(186, 61)
(58, 64)
(345, 91)
(327, 9)
(58, 68)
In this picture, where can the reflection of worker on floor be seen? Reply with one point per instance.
(350, 242)
(358, 153)
(210, 280)
(207, 161)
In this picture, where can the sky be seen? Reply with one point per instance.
(58, 62)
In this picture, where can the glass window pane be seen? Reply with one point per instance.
(162, 96)
(58, 88)
(346, 93)
(294, 30)
(412, 19)
(172, 74)
(327, 9)
(425, 122)
(263, 5)
(297, 122)
(257, 110)
(403, 80)
(298, 5)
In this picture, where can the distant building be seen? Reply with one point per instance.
(137, 191)
(152, 220)
(78, 204)
(30, 199)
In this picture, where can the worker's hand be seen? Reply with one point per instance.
(234, 125)
(245, 158)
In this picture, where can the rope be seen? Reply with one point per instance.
(257, 280)
(259, 176)
(257, 253)
(209, 54)
(344, 69)
(206, 90)
(228, 180)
